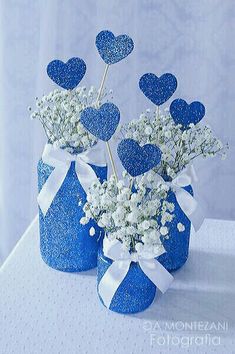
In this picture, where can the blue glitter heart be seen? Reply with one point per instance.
(67, 75)
(184, 113)
(113, 49)
(101, 122)
(158, 89)
(136, 159)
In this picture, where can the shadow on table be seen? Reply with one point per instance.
(204, 290)
(91, 272)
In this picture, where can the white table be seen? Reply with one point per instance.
(46, 311)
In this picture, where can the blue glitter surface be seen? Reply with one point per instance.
(184, 113)
(101, 122)
(136, 159)
(177, 246)
(134, 294)
(113, 49)
(158, 89)
(65, 244)
(67, 75)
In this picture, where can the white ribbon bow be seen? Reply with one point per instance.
(186, 201)
(117, 271)
(61, 160)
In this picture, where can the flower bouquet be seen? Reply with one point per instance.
(181, 139)
(138, 226)
(70, 161)
(127, 270)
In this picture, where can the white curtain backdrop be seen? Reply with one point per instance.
(194, 39)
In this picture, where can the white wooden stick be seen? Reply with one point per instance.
(112, 160)
(97, 104)
(102, 83)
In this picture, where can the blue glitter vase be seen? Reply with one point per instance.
(65, 244)
(177, 245)
(136, 292)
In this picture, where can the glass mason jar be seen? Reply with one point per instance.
(177, 245)
(135, 293)
(65, 244)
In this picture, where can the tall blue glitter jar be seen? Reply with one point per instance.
(177, 245)
(65, 244)
(136, 292)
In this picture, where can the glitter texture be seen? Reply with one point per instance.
(101, 122)
(134, 294)
(158, 90)
(113, 49)
(67, 75)
(184, 113)
(177, 246)
(65, 244)
(136, 159)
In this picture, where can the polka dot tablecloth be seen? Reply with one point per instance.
(46, 311)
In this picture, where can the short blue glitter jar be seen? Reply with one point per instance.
(177, 245)
(136, 292)
(65, 244)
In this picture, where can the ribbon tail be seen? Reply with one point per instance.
(51, 187)
(96, 155)
(197, 218)
(193, 174)
(190, 207)
(85, 174)
(157, 274)
(112, 279)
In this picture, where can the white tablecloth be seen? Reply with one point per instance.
(46, 311)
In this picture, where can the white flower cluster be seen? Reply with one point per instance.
(135, 214)
(179, 147)
(59, 113)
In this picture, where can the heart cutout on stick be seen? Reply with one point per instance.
(113, 49)
(158, 89)
(184, 113)
(101, 122)
(136, 159)
(67, 75)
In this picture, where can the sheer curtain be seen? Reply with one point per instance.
(192, 39)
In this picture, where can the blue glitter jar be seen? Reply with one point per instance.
(177, 245)
(65, 244)
(135, 293)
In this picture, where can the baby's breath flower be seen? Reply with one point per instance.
(84, 220)
(127, 215)
(180, 227)
(163, 230)
(59, 112)
(92, 231)
(179, 147)
(148, 130)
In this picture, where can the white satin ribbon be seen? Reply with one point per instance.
(117, 271)
(61, 160)
(186, 201)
